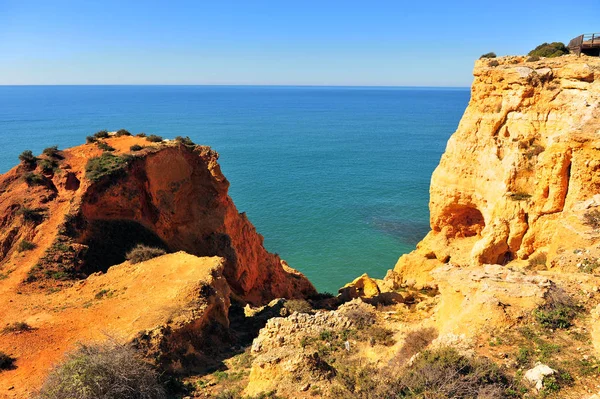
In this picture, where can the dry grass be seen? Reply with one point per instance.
(109, 371)
(142, 253)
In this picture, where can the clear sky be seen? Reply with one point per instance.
(295, 42)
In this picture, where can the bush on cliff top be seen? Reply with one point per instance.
(142, 253)
(153, 138)
(109, 371)
(555, 49)
(488, 55)
(105, 165)
(28, 158)
(122, 132)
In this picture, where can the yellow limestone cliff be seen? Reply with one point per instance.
(520, 172)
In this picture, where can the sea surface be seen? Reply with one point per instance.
(335, 178)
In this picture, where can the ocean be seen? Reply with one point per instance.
(335, 178)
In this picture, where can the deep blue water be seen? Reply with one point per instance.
(336, 179)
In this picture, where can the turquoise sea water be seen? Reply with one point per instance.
(335, 178)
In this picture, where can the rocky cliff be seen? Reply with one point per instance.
(519, 178)
(84, 208)
(69, 217)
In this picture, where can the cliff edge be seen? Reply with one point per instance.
(518, 182)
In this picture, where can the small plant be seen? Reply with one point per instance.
(142, 253)
(136, 147)
(559, 310)
(533, 58)
(415, 342)
(6, 362)
(122, 132)
(589, 265)
(33, 179)
(104, 147)
(362, 315)
(519, 196)
(381, 336)
(592, 218)
(91, 139)
(106, 370)
(185, 141)
(140, 135)
(102, 134)
(51, 151)
(28, 158)
(48, 165)
(488, 55)
(32, 214)
(298, 305)
(16, 327)
(533, 151)
(549, 50)
(538, 259)
(153, 138)
(25, 245)
(102, 293)
(524, 356)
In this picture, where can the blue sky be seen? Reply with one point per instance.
(301, 42)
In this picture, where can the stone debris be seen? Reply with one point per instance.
(537, 374)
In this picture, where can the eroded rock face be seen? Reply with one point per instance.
(514, 175)
(180, 195)
(167, 195)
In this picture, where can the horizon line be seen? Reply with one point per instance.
(234, 85)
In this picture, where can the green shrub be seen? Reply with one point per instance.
(136, 147)
(105, 165)
(185, 141)
(445, 373)
(6, 362)
(102, 134)
(122, 132)
(16, 327)
(51, 151)
(25, 245)
(33, 179)
(28, 158)
(558, 311)
(32, 214)
(533, 58)
(109, 371)
(140, 135)
(142, 253)
(48, 165)
(488, 55)
(153, 138)
(104, 147)
(555, 49)
(91, 139)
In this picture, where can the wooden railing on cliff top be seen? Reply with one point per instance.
(588, 41)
